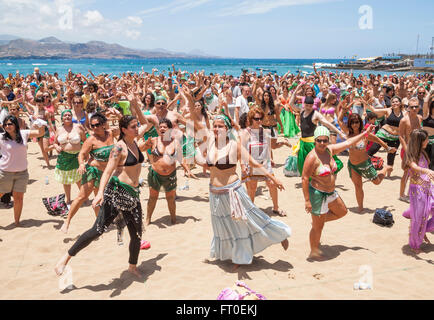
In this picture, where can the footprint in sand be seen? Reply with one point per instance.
(291, 276)
(318, 276)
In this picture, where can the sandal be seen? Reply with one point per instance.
(280, 213)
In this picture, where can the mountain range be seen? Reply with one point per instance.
(12, 47)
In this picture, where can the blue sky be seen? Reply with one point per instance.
(231, 28)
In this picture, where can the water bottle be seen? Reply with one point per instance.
(141, 182)
(46, 180)
(361, 286)
(186, 187)
(120, 236)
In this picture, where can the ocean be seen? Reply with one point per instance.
(229, 66)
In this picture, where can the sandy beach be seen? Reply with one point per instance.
(177, 266)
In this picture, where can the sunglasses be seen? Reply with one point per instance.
(322, 140)
(75, 102)
(96, 125)
(413, 107)
(258, 119)
(160, 103)
(9, 124)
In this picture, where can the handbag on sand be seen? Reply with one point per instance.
(56, 206)
(383, 217)
(240, 292)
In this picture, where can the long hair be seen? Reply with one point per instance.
(123, 123)
(6, 135)
(353, 118)
(414, 147)
(270, 103)
(152, 100)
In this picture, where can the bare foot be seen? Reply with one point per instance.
(61, 264)
(426, 239)
(235, 268)
(173, 221)
(134, 271)
(147, 222)
(65, 227)
(360, 210)
(316, 255)
(285, 244)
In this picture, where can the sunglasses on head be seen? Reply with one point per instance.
(96, 125)
(322, 140)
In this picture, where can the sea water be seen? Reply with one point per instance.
(221, 66)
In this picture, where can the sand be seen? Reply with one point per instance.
(177, 266)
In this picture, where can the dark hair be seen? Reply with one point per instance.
(167, 122)
(270, 104)
(100, 117)
(370, 116)
(39, 99)
(353, 118)
(123, 123)
(414, 147)
(6, 135)
(203, 109)
(243, 120)
(152, 99)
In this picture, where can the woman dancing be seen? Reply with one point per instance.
(162, 173)
(318, 180)
(421, 189)
(97, 149)
(287, 117)
(256, 140)
(118, 196)
(359, 163)
(240, 228)
(67, 143)
(389, 132)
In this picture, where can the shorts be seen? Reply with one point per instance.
(13, 181)
(320, 200)
(156, 181)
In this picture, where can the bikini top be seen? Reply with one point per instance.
(393, 120)
(328, 110)
(132, 160)
(157, 153)
(428, 122)
(63, 139)
(359, 146)
(82, 120)
(220, 164)
(324, 170)
(102, 154)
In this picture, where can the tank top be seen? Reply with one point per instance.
(306, 125)
(393, 120)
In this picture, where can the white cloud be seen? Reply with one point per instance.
(133, 34)
(135, 20)
(248, 7)
(175, 6)
(92, 18)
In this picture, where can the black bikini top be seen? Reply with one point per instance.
(220, 164)
(157, 153)
(132, 160)
(394, 120)
(428, 122)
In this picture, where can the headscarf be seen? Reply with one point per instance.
(225, 119)
(161, 98)
(321, 131)
(65, 111)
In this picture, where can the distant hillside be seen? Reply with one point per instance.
(53, 48)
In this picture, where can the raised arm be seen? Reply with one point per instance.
(339, 147)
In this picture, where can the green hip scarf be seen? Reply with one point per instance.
(431, 140)
(156, 181)
(306, 146)
(365, 169)
(92, 173)
(384, 135)
(67, 161)
(320, 200)
(116, 183)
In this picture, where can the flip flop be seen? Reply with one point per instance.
(280, 213)
(145, 245)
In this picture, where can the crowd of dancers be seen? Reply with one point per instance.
(103, 129)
